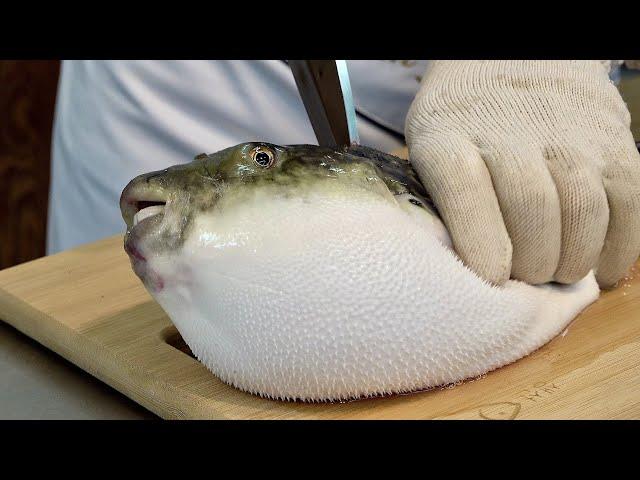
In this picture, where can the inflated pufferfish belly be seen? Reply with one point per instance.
(305, 273)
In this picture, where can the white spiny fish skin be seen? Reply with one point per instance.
(345, 294)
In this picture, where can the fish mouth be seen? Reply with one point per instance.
(138, 207)
(142, 217)
(147, 209)
(139, 216)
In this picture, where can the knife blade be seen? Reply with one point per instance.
(326, 93)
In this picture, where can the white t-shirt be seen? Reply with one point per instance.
(117, 119)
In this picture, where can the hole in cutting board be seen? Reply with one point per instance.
(172, 337)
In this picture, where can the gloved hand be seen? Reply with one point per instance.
(532, 167)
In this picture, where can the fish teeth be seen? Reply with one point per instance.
(146, 213)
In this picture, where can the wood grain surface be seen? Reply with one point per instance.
(87, 305)
(27, 99)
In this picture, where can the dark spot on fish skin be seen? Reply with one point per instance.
(153, 175)
(393, 169)
(415, 202)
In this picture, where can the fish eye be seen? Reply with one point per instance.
(262, 156)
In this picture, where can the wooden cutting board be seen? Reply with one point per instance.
(88, 306)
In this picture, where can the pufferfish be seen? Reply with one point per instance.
(308, 273)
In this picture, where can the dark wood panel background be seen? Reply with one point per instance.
(27, 102)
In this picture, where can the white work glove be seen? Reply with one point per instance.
(532, 167)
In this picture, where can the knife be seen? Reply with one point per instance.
(326, 93)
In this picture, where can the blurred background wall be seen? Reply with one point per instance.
(27, 101)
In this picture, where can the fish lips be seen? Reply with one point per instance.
(136, 244)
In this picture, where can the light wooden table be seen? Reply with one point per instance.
(87, 305)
